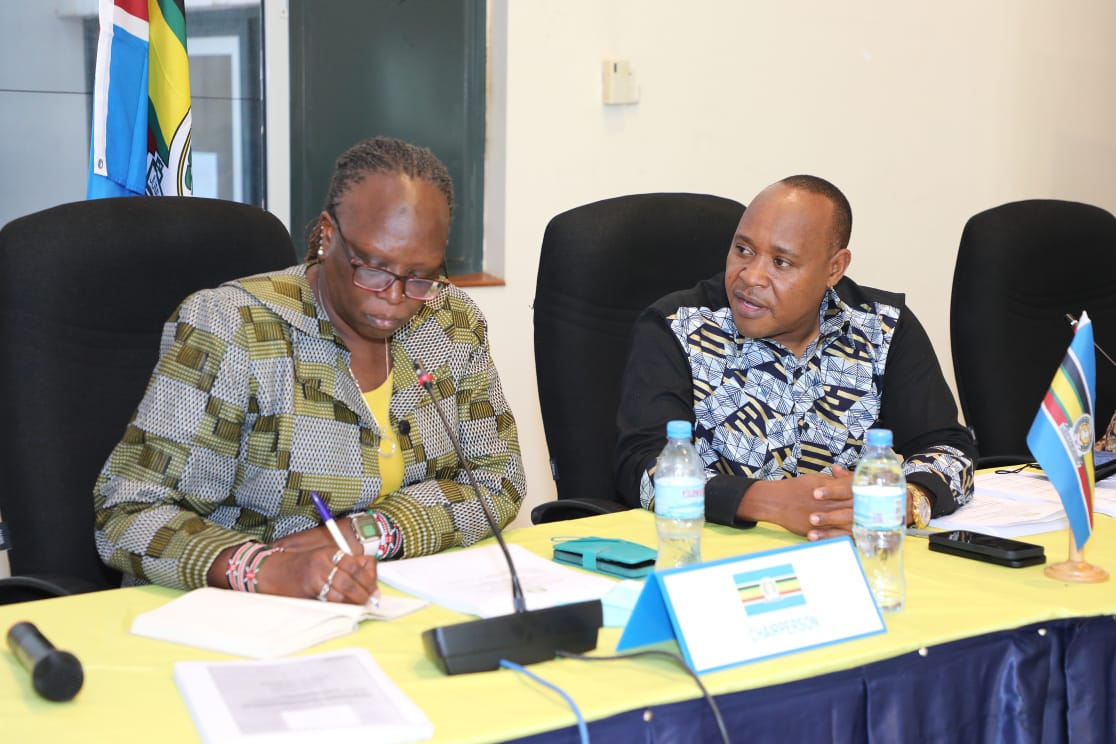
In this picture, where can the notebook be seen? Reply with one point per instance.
(260, 625)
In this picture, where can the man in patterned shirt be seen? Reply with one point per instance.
(783, 364)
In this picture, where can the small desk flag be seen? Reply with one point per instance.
(140, 141)
(1061, 438)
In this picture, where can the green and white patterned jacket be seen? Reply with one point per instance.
(252, 406)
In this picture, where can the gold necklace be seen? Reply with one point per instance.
(387, 379)
(387, 376)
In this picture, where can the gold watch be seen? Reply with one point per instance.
(920, 507)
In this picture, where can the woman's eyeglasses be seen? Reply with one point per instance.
(375, 279)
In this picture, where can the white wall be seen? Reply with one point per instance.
(923, 114)
(41, 71)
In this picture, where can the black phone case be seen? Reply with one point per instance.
(1012, 553)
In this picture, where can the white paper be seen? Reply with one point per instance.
(1019, 504)
(476, 581)
(343, 695)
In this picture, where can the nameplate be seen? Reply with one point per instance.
(753, 607)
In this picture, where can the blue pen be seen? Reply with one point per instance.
(330, 524)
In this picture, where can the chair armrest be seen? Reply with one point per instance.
(557, 511)
(42, 586)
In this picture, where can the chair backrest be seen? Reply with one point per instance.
(84, 291)
(601, 265)
(1021, 268)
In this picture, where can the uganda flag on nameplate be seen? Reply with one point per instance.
(140, 142)
(769, 589)
(1061, 438)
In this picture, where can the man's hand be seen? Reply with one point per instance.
(816, 505)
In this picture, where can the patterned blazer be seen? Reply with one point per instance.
(252, 406)
(760, 412)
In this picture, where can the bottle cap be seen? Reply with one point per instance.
(879, 437)
(679, 430)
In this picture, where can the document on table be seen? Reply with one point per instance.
(343, 695)
(1018, 504)
(476, 581)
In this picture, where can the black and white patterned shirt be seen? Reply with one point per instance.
(759, 412)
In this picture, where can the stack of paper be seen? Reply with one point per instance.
(1018, 504)
(477, 582)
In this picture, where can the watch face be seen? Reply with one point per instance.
(922, 505)
(366, 527)
(367, 532)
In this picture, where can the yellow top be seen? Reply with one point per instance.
(391, 457)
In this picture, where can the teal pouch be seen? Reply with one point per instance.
(610, 556)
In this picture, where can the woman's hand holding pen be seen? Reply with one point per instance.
(303, 567)
(317, 569)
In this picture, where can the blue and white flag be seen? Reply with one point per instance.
(140, 142)
(1062, 435)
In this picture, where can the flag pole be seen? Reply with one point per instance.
(1076, 568)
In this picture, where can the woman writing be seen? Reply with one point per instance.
(276, 387)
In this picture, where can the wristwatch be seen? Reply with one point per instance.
(920, 507)
(367, 531)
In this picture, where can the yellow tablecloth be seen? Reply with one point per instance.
(130, 696)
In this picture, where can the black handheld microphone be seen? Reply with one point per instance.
(56, 675)
(525, 637)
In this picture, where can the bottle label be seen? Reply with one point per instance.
(879, 507)
(680, 498)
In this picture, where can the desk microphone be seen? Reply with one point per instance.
(526, 636)
(56, 675)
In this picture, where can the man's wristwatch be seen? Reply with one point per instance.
(367, 532)
(920, 507)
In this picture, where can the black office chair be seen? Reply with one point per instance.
(1021, 268)
(601, 265)
(84, 291)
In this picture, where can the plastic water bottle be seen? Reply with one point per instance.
(679, 499)
(880, 519)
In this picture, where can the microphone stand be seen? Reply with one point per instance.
(524, 637)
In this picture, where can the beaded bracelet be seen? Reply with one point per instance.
(244, 566)
(391, 541)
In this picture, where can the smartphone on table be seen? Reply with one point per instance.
(1002, 551)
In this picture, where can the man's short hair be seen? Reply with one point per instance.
(842, 211)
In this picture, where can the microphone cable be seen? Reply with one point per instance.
(582, 728)
(672, 657)
(426, 382)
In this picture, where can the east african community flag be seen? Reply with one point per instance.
(140, 141)
(1062, 436)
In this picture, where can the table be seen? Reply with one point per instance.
(992, 642)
